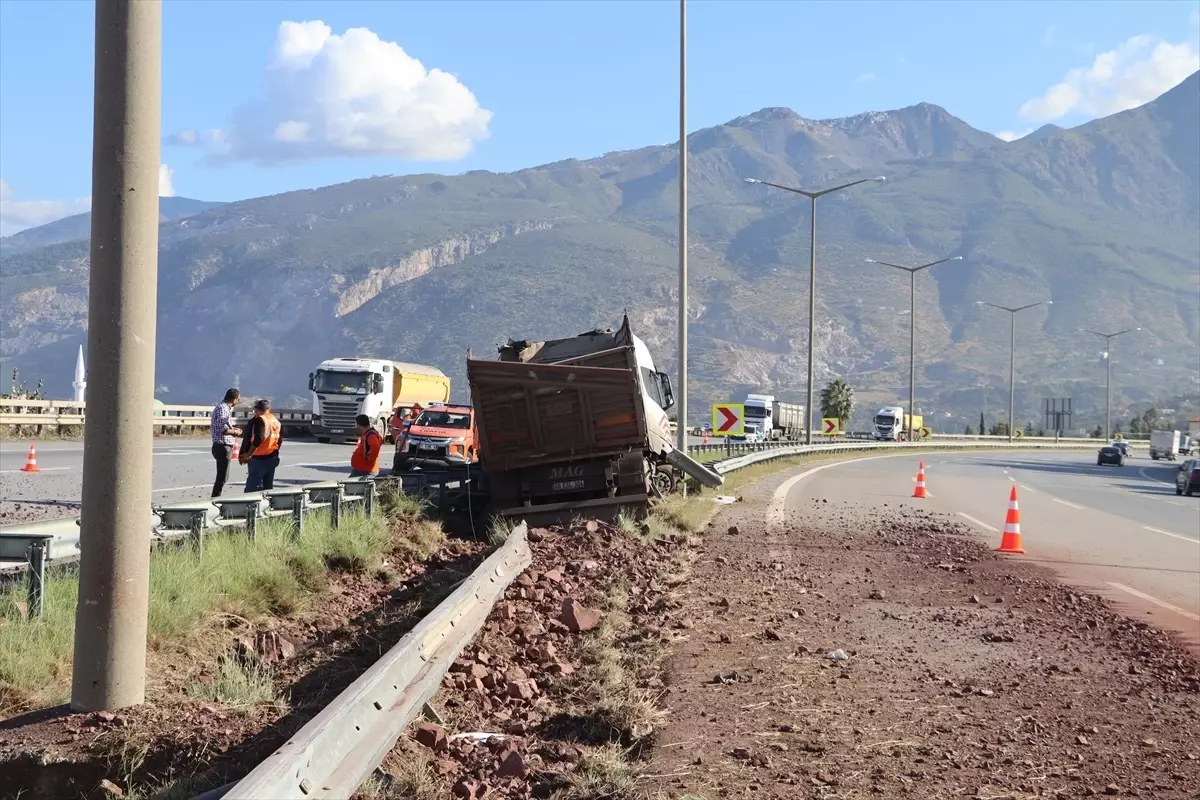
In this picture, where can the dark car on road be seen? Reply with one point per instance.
(1187, 480)
(1110, 455)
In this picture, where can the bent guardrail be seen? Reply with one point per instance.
(337, 750)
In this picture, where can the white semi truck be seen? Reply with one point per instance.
(343, 388)
(770, 419)
(891, 424)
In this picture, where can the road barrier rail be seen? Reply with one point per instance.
(57, 415)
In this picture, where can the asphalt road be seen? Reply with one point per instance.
(183, 470)
(1119, 531)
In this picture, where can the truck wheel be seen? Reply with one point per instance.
(323, 439)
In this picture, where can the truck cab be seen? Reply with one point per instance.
(343, 388)
(888, 424)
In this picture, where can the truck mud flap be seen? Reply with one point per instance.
(682, 461)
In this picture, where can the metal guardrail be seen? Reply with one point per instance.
(63, 413)
(339, 748)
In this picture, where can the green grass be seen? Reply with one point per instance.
(237, 684)
(275, 575)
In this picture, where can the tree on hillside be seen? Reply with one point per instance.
(837, 401)
(982, 424)
(969, 431)
(999, 429)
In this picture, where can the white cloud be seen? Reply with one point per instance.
(1137, 71)
(1012, 136)
(354, 94)
(866, 77)
(166, 181)
(19, 215)
(1050, 36)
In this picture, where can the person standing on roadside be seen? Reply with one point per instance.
(260, 448)
(222, 431)
(365, 461)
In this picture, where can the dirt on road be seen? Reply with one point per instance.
(892, 655)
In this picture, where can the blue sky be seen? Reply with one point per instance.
(264, 109)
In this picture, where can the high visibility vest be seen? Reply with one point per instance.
(359, 462)
(270, 442)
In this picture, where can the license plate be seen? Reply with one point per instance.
(336, 431)
(566, 486)
(427, 447)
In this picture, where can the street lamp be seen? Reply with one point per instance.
(1108, 337)
(1012, 356)
(812, 277)
(912, 329)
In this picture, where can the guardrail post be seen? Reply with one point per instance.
(369, 500)
(298, 516)
(252, 523)
(197, 530)
(36, 588)
(728, 447)
(335, 509)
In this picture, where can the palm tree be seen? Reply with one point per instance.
(837, 401)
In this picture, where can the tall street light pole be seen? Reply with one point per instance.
(681, 434)
(912, 329)
(812, 277)
(1012, 356)
(109, 670)
(1108, 337)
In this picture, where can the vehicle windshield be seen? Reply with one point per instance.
(331, 382)
(444, 419)
(882, 420)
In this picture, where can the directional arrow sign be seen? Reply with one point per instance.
(926, 433)
(831, 426)
(729, 419)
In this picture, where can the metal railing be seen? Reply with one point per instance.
(60, 414)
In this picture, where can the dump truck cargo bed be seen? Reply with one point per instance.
(532, 414)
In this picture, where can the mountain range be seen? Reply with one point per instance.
(1103, 219)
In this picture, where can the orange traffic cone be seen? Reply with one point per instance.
(31, 460)
(1010, 541)
(920, 490)
(237, 449)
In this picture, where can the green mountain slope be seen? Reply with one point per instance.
(1104, 219)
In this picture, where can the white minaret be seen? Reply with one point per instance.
(80, 382)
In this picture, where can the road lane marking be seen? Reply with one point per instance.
(1068, 504)
(777, 509)
(983, 525)
(1155, 601)
(1027, 488)
(1142, 472)
(1168, 533)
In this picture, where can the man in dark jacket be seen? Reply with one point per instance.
(260, 448)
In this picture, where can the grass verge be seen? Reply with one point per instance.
(277, 575)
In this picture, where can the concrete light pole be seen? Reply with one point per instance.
(812, 278)
(681, 434)
(912, 329)
(114, 564)
(1012, 356)
(1108, 337)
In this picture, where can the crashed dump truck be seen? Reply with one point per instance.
(577, 425)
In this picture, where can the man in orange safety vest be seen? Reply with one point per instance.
(260, 448)
(365, 461)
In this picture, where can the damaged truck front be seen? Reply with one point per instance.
(577, 425)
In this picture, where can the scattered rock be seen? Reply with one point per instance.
(431, 735)
(577, 617)
(109, 789)
(876, 594)
(512, 765)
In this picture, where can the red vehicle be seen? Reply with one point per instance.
(441, 436)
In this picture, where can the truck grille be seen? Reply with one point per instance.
(339, 416)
